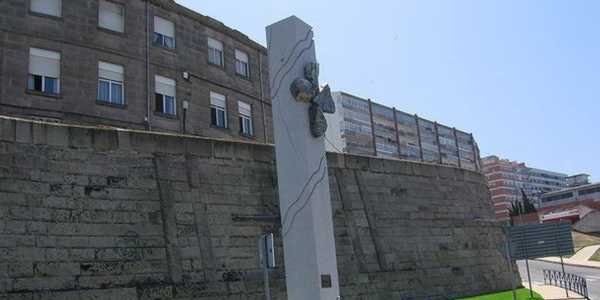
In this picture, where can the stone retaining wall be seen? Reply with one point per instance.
(89, 213)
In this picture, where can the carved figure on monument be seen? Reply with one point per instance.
(307, 90)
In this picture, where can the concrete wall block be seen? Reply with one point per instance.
(80, 137)
(357, 162)
(44, 283)
(57, 136)
(223, 150)
(170, 144)
(243, 152)
(198, 147)
(39, 133)
(107, 140)
(24, 132)
(335, 160)
(142, 142)
(264, 153)
(52, 269)
(7, 130)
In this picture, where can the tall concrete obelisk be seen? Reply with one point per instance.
(306, 215)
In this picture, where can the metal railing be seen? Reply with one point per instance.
(568, 281)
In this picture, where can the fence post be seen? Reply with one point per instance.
(437, 140)
(419, 136)
(475, 154)
(397, 134)
(372, 127)
(457, 147)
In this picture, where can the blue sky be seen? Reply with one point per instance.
(523, 76)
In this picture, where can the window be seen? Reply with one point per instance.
(245, 111)
(215, 52)
(47, 7)
(164, 100)
(44, 71)
(241, 64)
(218, 110)
(164, 33)
(110, 83)
(111, 16)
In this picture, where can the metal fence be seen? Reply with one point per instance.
(568, 281)
(369, 128)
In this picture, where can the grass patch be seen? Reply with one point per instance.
(582, 240)
(596, 257)
(522, 294)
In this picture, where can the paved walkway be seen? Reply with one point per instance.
(580, 259)
(552, 292)
(586, 253)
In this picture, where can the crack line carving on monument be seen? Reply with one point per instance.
(289, 56)
(290, 69)
(285, 124)
(287, 130)
(308, 200)
(284, 217)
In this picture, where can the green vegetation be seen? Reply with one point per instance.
(582, 240)
(596, 257)
(522, 294)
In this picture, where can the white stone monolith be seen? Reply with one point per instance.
(306, 214)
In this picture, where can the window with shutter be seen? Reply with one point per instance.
(111, 16)
(242, 63)
(164, 33)
(47, 7)
(110, 83)
(165, 95)
(245, 111)
(44, 71)
(218, 110)
(215, 52)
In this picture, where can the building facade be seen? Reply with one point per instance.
(506, 180)
(569, 197)
(360, 126)
(141, 64)
(578, 180)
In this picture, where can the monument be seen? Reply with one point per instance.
(298, 104)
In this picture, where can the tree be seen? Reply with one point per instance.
(522, 207)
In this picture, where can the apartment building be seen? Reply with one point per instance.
(363, 127)
(506, 180)
(142, 64)
(578, 180)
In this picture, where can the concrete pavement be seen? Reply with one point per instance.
(586, 253)
(552, 292)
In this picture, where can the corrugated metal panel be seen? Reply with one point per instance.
(357, 130)
(408, 135)
(429, 141)
(447, 145)
(385, 131)
(541, 240)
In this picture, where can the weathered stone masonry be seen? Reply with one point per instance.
(87, 213)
